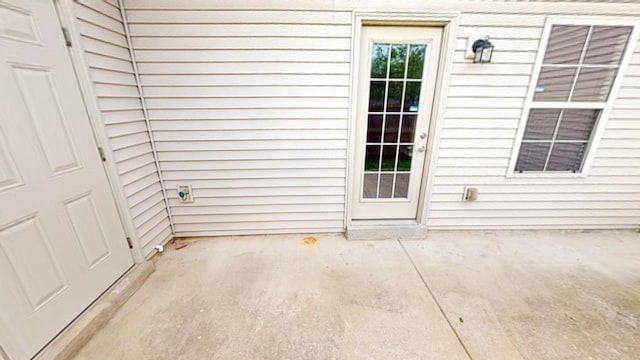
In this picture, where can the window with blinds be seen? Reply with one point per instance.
(573, 88)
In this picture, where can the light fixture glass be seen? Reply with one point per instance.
(483, 50)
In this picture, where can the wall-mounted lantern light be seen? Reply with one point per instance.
(482, 50)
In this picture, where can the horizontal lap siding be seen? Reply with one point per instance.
(107, 55)
(481, 119)
(250, 108)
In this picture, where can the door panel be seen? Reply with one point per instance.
(41, 100)
(395, 93)
(61, 241)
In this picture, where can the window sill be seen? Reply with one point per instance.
(544, 175)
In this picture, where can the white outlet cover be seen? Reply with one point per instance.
(186, 189)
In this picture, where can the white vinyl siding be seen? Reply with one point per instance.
(249, 104)
(482, 116)
(250, 108)
(107, 55)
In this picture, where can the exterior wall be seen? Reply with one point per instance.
(107, 55)
(249, 105)
(250, 108)
(483, 113)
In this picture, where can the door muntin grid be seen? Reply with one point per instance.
(395, 81)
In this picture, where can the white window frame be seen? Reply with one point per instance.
(604, 115)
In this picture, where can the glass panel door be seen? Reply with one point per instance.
(395, 81)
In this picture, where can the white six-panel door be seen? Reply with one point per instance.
(396, 84)
(61, 241)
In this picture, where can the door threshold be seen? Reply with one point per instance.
(385, 230)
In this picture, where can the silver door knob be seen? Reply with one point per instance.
(422, 148)
(423, 135)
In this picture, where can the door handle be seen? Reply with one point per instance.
(422, 149)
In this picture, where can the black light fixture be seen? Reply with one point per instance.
(482, 50)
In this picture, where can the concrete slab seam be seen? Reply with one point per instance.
(426, 285)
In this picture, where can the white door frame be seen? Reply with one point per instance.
(81, 68)
(448, 21)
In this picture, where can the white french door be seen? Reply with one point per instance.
(397, 76)
(61, 240)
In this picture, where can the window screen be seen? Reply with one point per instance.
(578, 70)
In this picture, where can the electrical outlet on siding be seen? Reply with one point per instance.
(470, 194)
(185, 194)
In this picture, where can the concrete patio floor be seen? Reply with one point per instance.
(457, 295)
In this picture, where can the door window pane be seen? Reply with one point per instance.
(388, 158)
(412, 96)
(372, 158)
(391, 126)
(554, 84)
(376, 96)
(398, 58)
(565, 44)
(386, 186)
(408, 128)
(416, 61)
(379, 60)
(402, 186)
(374, 128)
(404, 157)
(370, 186)
(394, 100)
